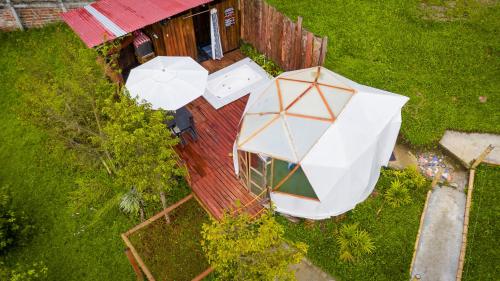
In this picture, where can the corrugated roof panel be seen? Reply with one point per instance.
(104, 21)
(178, 6)
(87, 27)
(130, 15)
(127, 15)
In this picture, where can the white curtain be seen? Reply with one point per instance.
(215, 35)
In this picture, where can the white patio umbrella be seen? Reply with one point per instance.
(168, 82)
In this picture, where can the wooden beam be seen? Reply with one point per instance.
(470, 189)
(203, 274)
(482, 156)
(424, 211)
(133, 262)
(158, 215)
(437, 176)
(138, 258)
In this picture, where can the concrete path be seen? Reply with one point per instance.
(440, 242)
(467, 146)
(306, 271)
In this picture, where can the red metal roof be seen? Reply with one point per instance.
(87, 27)
(129, 15)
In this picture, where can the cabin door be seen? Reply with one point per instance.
(253, 171)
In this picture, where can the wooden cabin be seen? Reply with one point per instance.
(174, 28)
(187, 33)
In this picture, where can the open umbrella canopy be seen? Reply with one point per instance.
(168, 82)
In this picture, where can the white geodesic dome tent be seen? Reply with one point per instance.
(316, 141)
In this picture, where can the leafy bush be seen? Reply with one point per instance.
(411, 178)
(268, 65)
(239, 248)
(14, 226)
(398, 194)
(36, 272)
(354, 243)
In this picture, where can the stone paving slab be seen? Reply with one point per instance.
(440, 242)
(468, 146)
(306, 271)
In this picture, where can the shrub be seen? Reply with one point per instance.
(411, 178)
(268, 65)
(14, 226)
(240, 248)
(36, 272)
(398, 194)
(354, 243)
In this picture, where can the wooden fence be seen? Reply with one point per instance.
(285, 42)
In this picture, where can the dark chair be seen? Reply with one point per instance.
(183, 122)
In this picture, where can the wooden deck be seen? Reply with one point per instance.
(209, 159)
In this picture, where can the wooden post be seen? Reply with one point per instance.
(298, 44)
(133, 262)
(322, 54)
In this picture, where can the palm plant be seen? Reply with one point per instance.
(132, 203)
(398, 194)
(354, 242)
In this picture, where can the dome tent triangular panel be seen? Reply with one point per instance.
(305, 132)
(252, 123)
(301, 75)
(338, 134)
(291, 90)
(311, 104)
(335, 98)
(266, 102)
(273, 140)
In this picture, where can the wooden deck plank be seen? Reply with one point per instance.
(208, 160)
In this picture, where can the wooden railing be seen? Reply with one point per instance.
(285, 42)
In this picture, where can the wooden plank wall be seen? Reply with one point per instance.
(230, 36)
(285, 42)
(175, 37)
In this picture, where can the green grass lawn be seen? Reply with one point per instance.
(393, 231)
(443, 66)
(173, 251)
(481, 260)
(74, 243)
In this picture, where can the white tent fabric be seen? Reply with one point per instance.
(343, 162)
(168, 82)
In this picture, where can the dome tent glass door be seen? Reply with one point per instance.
(254, 169)
(262, 174)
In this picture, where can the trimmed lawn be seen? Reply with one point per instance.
(443, 66)
(393, 232)
(75, 243)
(173, 251)
(482, 258)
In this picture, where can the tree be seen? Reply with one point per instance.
(142, 151)
(65, 98)
(241, 248)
